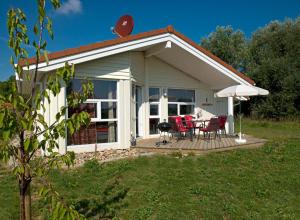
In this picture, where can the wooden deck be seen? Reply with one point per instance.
(218, 144)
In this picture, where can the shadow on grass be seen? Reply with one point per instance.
(105, 207)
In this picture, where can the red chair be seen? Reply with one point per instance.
(212, 127)
(190, 124)
(189, 121)
(222, 123)
(180, 128)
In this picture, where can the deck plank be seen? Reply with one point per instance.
(200, 144)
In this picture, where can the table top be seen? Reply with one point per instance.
(200, 120)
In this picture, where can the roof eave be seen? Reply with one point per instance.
(169, 29)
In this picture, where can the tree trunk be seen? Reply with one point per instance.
(25, 198)
(24, 183)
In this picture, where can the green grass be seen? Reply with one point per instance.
(8, 195)
(261, 183)
(271, 130)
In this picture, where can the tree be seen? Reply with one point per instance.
(232, 47)
(271, 58)
(274, 58)
(229, 45)
(23, 129)
(5, 86)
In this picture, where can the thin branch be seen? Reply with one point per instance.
(37, 59)
(31, 155)
(50, 127)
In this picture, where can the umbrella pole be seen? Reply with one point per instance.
(240, 140)
(240, 120)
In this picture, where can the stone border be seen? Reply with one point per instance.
(109, 155)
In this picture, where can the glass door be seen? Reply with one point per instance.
(154, 110)
(137, 110)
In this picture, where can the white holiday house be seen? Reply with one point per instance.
(140, 80)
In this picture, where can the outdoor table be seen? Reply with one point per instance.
(202, 121)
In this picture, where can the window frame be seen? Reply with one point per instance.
(99, 101)
(182, 103)
(158, 104)
(98, 104)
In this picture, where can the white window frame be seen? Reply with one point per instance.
(155, 103)
(158, 103)
(137, 115)
(99, 102)
(181, 103)
(98, 118)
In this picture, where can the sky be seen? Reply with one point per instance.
(80, 22)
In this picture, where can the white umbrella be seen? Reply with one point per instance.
(261, 91)
(240, 91)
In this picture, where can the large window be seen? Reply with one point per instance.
(102, 107)
(181, 102)
(154, 98)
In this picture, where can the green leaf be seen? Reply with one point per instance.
(2, 114)
(12, 60)
(24, 122)
(18, 170)
(6, 135)
(35, 144)
(27, 143)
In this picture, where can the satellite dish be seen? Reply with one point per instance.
(124, 26)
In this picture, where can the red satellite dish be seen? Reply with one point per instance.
(124, 26)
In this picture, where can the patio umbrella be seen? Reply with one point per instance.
(240, 92)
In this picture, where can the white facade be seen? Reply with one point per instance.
(162, 63)
(134, 69)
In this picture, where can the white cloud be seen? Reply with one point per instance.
(70, 7)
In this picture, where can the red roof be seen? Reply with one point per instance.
(107, 43)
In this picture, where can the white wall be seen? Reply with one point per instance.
(158, 73)
(165, 75)
(137, 67)
(52, 109)
(132, 67)
(112, 67)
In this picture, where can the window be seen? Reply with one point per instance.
(108, 110)
(154, 109)
(172, 109)
(154, 100)
(102, 107)
(154, 95)
(181, 102)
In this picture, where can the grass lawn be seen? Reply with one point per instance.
(259, 183)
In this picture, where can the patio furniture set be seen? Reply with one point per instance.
(190, 127)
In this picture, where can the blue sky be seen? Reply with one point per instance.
(81, 22)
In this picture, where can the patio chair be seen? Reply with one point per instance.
(173, 123)
(222, 122)
(189, 123)
(181, 129)
(212, 127)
